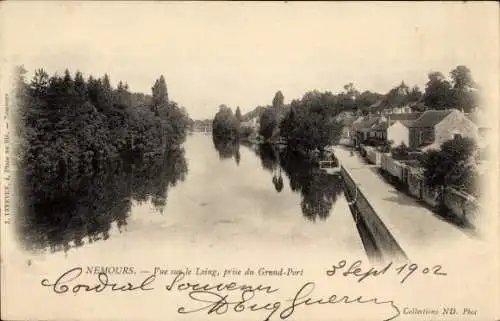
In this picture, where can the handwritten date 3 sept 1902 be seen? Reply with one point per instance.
(406, 270)
(224, 297)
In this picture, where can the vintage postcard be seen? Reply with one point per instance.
(254, 161)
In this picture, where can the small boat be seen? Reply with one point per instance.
(330, 166)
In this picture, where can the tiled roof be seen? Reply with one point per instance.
(381, 126)
(404, 116)
(431, 118)
(407, 123)
(373, 123)
(367, 123)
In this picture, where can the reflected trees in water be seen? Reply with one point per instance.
(319, 191)
(270, 160)
(227, 149)
(83, 209)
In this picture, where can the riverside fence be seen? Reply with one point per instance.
(461, 205)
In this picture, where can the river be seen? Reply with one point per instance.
(215, 197)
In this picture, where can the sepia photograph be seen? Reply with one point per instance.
(249, 160)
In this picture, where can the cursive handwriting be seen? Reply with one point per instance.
(232, 286)
(220, 304)
(405, 270)
(215, 298)
(60, 285)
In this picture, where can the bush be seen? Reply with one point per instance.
(375, 142)
(452, 165)
(400, 152)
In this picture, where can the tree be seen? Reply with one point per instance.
(237, 114)
(366, 99)
(278, 100)
(462, 78)
(347, 99)
(415, 95)
(160, 93)
(310, 124)
(107, 90)
(225, 126)
(80, 87)
(39, 83)
(397, 96)
(350, 90)
(438, 94)
(451, 165)
(465, 93)
(123, 97)
(268, 123)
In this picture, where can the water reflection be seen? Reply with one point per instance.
(227, 149)
(83, 209)
(319, 191)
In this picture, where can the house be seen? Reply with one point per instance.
(435, 127)
(406, 109)
(368, 128)
(252, 123)
(383, 108)
(399, 132)
(378, 130)
(398, 127)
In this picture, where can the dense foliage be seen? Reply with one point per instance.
(72, 126)
(269, 124)
(74, 132)
(460, 92)
(225, 124)
(310, 124)
(400, 152)
(452, 165)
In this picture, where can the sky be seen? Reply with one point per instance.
(241, 53)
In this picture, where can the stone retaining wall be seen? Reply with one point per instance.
(381, 235)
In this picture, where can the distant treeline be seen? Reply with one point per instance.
(306, 124)
(74, 126)
(309, 123)
(459, 91)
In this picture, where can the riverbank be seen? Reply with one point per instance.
(414, 227)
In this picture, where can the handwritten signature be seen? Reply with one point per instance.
(215, 298)
(219, 303)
